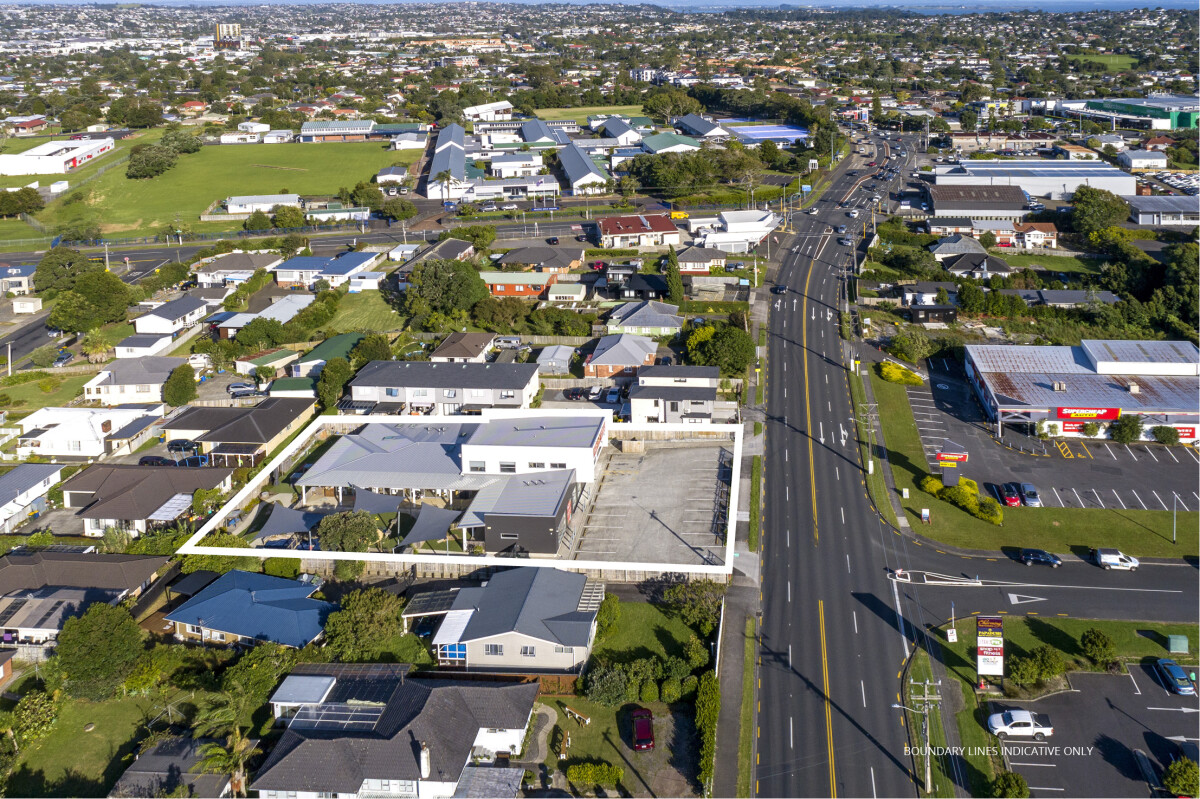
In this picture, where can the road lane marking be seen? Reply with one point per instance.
(1110, 452)
(828, 704)
(789, 590)
(1021, 599)
(863, 686)
(854, 613)
(791, 736)
(1118, 496)
(900, 618)
(843, 510)
(847, 563)
(812, 472)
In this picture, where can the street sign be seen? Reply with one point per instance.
(806, 188)
(989, 645)
(925, 515)
(1088, 413)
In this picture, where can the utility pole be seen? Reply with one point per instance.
(868, 414)
(927, 700)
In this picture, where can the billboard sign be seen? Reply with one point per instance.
(989, 646)
(1098, 414)
(806, 188)
(955, 457)
(1186, 432)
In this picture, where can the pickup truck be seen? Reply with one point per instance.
(1020, 724)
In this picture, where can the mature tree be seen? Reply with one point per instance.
(1127, 429)
(352, 531)
(729, 348)
(1096, 209)
(179, 140)
(987, 239)
(334, 376)
(398, 209)
(149, 161)
(367, 195)
(97, 650)
(968, 119)
(911, 345)
(44, 355)
(1010, 785)
(366, 620)
(261, 333)
(288, 217)
(480, 236)
(373, 347)
(675, 293)
(60, 268)
(107, 293)
(74, 314)
(1182, 777)
(444, 287)
(698, 603)
(180, 388)
(229, 758)
(95, 346)
(257, 221)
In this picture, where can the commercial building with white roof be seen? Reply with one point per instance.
(54, 157)
(1038, 177)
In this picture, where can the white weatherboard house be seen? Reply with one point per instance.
(132, 380)
(171, 317)
(23, 492)
(78, 432)
(249, 203)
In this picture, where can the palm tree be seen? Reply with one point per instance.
(229, 758)
(95, 346)
(221, 714)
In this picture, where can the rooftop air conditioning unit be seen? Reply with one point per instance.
(1060, 386)
(1134, 388)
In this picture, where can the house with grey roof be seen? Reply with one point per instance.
(620, 354)
(701, 260)
(168, 767)
(674, 394)
(582, 174)
(464, 347)
(132, 380)
(235, 437)
(979, 266)
(620, 130)
(374, 730)
(235, 267)
(171, 317)
(440, 389)
(701, 128)
(137, 498)
(524, 620)
(544, 258)
(555, 359)
(646, 318)
(143, 345)
(23, 492)
(955, 244)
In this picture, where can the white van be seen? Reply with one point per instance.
(1114, 559)
(508, 342)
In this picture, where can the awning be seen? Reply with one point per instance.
(433, 523)
(172, 509)
(372, 502)
(286, 521)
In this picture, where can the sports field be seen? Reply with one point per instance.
(1114, 62)
(21, 145)
(583, 112)
(135, 207)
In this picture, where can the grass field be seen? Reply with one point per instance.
(746, 719)
(197, 180)
(1052, 263)
(73, 178)
(29, 396)
(16, 230)
(644, 631)
(366, 312)
(1114, 62)
(581, 113)
(1061, 530)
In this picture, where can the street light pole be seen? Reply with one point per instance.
(924, 734)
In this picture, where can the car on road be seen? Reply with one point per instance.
(665, 360)
(1030, 494)
(233, 388)
(1010, 496)
(841, 228)
(1114, 559)
(194, 461)
(63, 359)
(181, 445)
(581, 237)
(155, 460)
(613, 396)
(509, 207)
(594, 393)
(872, 163)
(811, 212)
(643, 730)
(846, 242)
(779, 289)
(552, 240)
(1040, 557)
(1020, 724)
(53, 332)
(1174, 678)
(853, 214)
(853, 173)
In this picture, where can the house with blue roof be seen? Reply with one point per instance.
(304, 271)
(17, 278)
(244, 607)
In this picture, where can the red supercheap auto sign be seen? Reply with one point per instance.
(1089, 413)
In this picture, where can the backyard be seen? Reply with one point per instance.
(365, 312)
(1070, 264)
(33, 395)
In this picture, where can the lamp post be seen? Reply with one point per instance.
(925, 734)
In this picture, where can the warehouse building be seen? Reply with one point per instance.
(1164, 112)
(1097, 381)
(1164, 210)
(54, 157)
(975, 202)
(1055, 180)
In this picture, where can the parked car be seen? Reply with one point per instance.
(508, 342)
(1040, 557)
(597, 265)
(594, 393)
(233, 388)
(552, 240)
(664, 361)
(581, 237)
(53, 332)
(155, 460)
(489, 208)
(250, 394)
(643, 730)
(1009, 495)
(63, 359)
(1174, 678)
(181, 445)
(509, 207)
(613, 396)
(1020, 724)
(576, 394)
(194, 461)
(1114, 559)
(1030, 494)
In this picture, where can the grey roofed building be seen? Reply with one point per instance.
(168, 766)
(147, 370)
(452, 135)
(320, 754)
(614, 127)
(977, 265)
(142, 340)
(538, 431)
(258, 424)
(1164, 209)
(955, 244)
(346, 126)
(31, 569)
(25, 477)
(578, 166)
(696, 125)
(539, 603)
(680, 372)
(444, 250)
(1063, 298)
(544, 257)
(701, 255)
(177, 309)
(622, 349)
(970, 197)
(128, 492)
(488, 782)
(445, 375)
(536, 130)
(464, 346)
(646, 314)
(555, 359)
(391, 173)
(241, 262)
(532, 495)
(948, 221)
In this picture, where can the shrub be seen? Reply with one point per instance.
(589, 774)
(1097, 645)
(47, 384)
(288, 568)
(1049, 661)
(606, 686)
(931, 484)
(1127, 429)
(671, 691)
(44, 355)
(1010, 785)
(895, 373)
(708, 708)
(34, 717)
(1023, 671)
(348, 570)
(649, 692)
(1091, 429)
(696, 653)
(1182, 777)
(1165, 434)
(607, 616)
(688, 687)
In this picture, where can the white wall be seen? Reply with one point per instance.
(578, 458)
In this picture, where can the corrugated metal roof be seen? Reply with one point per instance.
(538, 431)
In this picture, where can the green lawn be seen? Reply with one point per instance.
(1052, 263)
(876, 485)
(16, 230)
(365, 312)
(1061, 530)
(213, 173)
(644, 631)
(1114, 62)
(943, 784)
(755, 503)
(581, 113)
(29, 396)
(746, 721)
(71, 762)
(73, 178)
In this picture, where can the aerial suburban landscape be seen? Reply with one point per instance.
(491, 399)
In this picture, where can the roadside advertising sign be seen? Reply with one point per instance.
(1089, 413)
(989, 645)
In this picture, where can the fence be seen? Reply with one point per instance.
(33, 223)
(197, 237)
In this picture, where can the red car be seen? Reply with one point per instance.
(643, 730)
(872, 163)
(1011, 498)
(597, 265)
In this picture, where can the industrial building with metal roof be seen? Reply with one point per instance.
(1038, 177)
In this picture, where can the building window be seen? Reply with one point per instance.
(564, 650)
(558, 466)
(420, 392)
(518, 287)
(508, 468)
(143, 389)
(628, 369)
(507, 394)
(493, 650)
(218, 636)
(509, 536)
(74, 446)
(528, 651)
(478, 392)
(451, 393)
(478, 466)
(193, 629)
(391, 392)
(536, 465)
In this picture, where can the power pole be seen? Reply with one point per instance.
(868, 414)
(930, 696)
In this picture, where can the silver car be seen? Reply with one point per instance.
(1030, 494)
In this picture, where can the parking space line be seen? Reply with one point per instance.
(1097, 493)
(1118, 496)
(1076, 493)
(1127, 449)
(1152, 455)
(1064, 450)
(1135, 685)
(1179, 499)
(1085, 449)
(1172, 454)
(1110, 452)
(1056, 496)
(1194, 455)
(1160, 502)
(1139, 499)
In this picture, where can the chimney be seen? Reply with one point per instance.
(1134, 388)
(425, 762)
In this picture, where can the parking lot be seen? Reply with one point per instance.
(1070, 473)
(1098, 727)
(668, 504)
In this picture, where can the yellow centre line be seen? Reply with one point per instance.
(828, 706)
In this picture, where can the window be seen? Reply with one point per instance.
(193, 629)
(493, 650)
(391, 392)
(536, 465)
(451, 393)
(509, 536)
(507, 394)
(528, 651)
(420, 392)
(558, 466)
(628, 369)
(518, 287)
(478, 466)
(508, 467)
(218, 636)
(673, 406)
(74, 446)
(478, 392)
(141, 389)
(564, 650)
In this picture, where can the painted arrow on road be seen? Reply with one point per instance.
(1178, 709)
(1021, 599)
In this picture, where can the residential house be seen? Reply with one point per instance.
(738, 231)
(642, 287)
(925, 292)
(955, 244)
(143, 345)
(312, 362)
(1036, 234)
(137, 498)
(1159, 143)
(620, 130)
(567, 293)
(674, 394)
(979, 266)
(543, 259)
(646, 318)
(582, 174)
(278, 136)
(621, 354)
(84, 432)
(23, 492)
(528, 285)
(246, 607)
(413, 736)
(555, 359)
(949, 225)
(459, 347)
(131, 380)
(439, 389)
(661, 143)
(212, 296)
(276, 359)
(697, 126)
(541, 620)
(1002, 229)
(648, 230)
(304, 271)
(1063, 298)
(236, 267)
(240, 137)
(940, 314)
(701, 260)
(17, 278)
(365, 281)
(41, 589)
(282, 311)
(260, 203)
(234, 437)
(391, 174)
(170, 767)
(171, 317)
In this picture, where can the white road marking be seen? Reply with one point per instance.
(789, 589)
(1127, 449)
(1110, 452)
(1152, 455)
(1193, 454)
(789, 538)
(786, 494)
(1056, 496)
(863, 686)
(1160, 502)
(1076, 493)
(1139, 499)
(900, 618)
(1137, 690)
(1033, 788)
(1097, 493)
(873, 793)
(789, 656)
(791, 738)
(1021, 599)
(1035, 765)
(1118, 496)
(847, 563)
(855, 614)
(1180, 500)
(1172, 454)
(837, 473)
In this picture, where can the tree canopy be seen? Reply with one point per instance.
(97, 650)
(361, 628)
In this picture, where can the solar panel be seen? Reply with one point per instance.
(342, 716)
(54, 608)
(13, 608)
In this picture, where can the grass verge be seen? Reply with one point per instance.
(755, 503)
(746, 724)
(920, 671)
(876, 485)
(1140, 533)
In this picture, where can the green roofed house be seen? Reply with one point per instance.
(305, 387)
(273, 359)
(311, 363)
(669, 143)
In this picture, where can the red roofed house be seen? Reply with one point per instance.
(1036, 234)
(1158, 143)
(647, 230)
(28, 126)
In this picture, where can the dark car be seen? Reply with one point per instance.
(575, 394)
(1012, 498)
(181, 445)
(250, 394)
(63, 359)
(779, 289)
(581, 237)
(155, 460)
(643, 730)
(195, 460)
(1173, 677)
(1040, 557)
(552, 240)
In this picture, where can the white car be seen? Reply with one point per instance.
(853, 214)
(508, 207)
